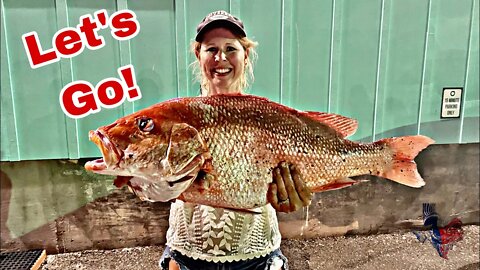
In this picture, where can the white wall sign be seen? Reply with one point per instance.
(451, 102)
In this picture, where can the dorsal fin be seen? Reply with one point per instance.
(343, 125)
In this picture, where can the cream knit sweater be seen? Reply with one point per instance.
(220, 235)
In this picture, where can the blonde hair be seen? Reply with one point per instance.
(247, 77)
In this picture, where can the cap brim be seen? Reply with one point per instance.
(236, 29)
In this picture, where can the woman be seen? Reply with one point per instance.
(203, 237)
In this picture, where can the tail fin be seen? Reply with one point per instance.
(404, 168)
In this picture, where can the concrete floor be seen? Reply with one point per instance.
(384, 251)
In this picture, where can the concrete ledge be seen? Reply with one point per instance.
(58, 206)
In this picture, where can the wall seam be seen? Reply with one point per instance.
(424, 66)
(282, 48)
(330, 66)
(465, 81)
(66, 71)
(377, 79)
(12, 97)
(125, 54)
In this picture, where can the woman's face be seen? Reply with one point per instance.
(222, 60)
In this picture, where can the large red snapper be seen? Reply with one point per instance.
(221, 150)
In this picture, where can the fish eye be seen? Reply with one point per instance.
(145, 124)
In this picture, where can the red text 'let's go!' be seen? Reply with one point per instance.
(69, 42)
(80, 98)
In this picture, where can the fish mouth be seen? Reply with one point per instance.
(112, 155)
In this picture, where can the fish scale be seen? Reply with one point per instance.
(230, 155)
(232, 143)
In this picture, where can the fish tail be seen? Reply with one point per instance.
(405, 149)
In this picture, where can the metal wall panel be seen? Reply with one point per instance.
(383, 62)
(312, 52)
(8, 138)
(38, 118)
(263, 23)
(446, 64)
(153, 51)
(400, 67)
(470, 126)
(355, 48)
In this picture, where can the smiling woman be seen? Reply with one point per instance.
(222, 58)
(224, 61)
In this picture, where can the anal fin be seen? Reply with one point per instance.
(338, 184)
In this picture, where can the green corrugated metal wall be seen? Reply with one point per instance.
(383, 62)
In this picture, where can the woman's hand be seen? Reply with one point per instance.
(288, 192)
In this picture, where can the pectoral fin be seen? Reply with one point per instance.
(120, 180)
